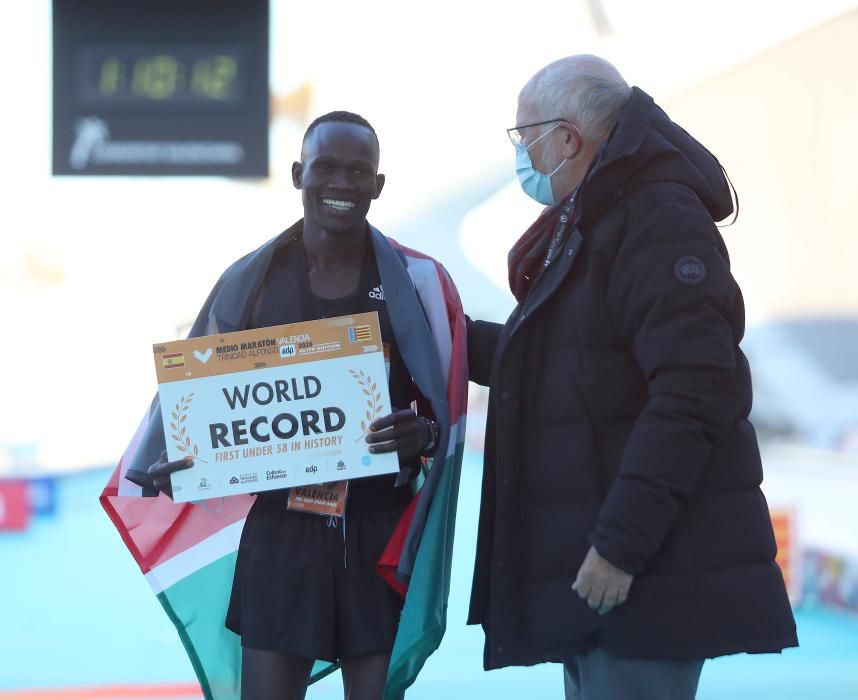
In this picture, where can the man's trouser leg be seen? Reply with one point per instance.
(597, 675)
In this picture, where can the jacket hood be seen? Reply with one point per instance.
(646, 146)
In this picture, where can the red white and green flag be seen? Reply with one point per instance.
(188, 551)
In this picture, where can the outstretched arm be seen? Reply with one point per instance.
(483, 338)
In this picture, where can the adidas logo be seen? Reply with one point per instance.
(377, 293)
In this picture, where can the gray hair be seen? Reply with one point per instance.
(587, 90)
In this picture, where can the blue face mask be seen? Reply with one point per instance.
(534, 183)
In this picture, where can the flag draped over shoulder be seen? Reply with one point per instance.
(188, 551)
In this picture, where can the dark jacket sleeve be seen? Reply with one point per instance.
(674, 317)
(482, 341)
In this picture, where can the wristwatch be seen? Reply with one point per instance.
(434, 436)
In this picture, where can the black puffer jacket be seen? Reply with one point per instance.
(619, 418)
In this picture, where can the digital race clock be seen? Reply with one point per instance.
(199, 76)
(159, 87)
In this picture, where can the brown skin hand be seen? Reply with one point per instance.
(402, 431)
(161, 470)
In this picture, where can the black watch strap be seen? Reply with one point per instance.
(434, 435)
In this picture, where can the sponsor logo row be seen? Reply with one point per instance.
(207, 483)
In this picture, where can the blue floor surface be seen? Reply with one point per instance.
(75, 612)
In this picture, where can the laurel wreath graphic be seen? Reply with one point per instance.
(179, 436)
(373, 401)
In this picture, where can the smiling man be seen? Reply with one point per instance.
(306, 587)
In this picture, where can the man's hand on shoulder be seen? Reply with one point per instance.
(601, 584)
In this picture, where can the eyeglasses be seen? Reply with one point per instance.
(515, 133)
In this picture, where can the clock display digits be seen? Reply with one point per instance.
(213, 78)
(156, 77)
(180, 76)
(110, 78)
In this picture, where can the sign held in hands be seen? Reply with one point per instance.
(274, 407)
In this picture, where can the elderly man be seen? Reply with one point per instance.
(623, 530)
